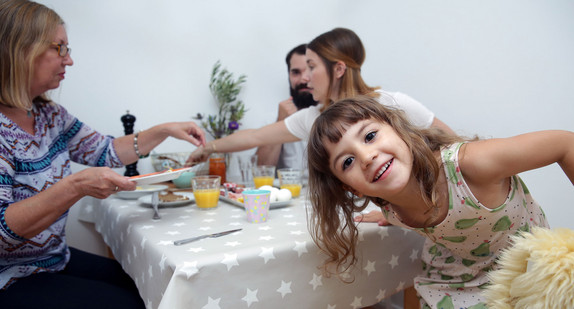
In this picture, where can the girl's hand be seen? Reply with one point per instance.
(201, 154)
(373, 216)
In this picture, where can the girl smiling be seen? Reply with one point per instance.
(463, 195)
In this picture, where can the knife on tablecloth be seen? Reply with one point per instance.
(214, 235)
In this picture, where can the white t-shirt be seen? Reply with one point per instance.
(292, 155)
(300, 123)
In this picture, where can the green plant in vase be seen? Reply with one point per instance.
(225, 89)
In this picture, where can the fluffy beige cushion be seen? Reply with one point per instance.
(536, 272)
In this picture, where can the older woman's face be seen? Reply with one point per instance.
(318, 77)
(50, 67)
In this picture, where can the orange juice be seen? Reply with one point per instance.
(206, 198)
(262, 181)
(293, 187)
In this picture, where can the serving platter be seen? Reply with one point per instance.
(140, 191)
(146, 200)
(156, 177)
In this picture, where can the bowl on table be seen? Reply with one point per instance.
(168, 160)
(184, 180)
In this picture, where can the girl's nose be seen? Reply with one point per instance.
(366, 156)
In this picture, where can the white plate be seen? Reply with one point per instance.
(158, 176)
(146, 200)
(140, 191)
(273, 205)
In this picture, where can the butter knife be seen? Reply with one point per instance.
(214, 235)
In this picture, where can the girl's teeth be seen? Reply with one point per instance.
(383, 170)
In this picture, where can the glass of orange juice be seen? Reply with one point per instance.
(290, 179)
(206, 191)
(263, 175)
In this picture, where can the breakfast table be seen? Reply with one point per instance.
(274, 264)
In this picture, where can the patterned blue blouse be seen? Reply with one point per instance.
(30, 164)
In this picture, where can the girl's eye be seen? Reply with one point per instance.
(370, 136)
(347, 162)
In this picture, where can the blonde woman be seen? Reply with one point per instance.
(38, 140)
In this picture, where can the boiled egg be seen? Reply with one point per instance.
(273, 195)
(283, 195)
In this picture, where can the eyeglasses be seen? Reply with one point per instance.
(63, 50)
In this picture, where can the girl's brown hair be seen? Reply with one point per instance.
(344, 45)
(26, 31)
(332, 223)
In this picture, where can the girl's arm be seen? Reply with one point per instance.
(492, 161)
(437, 123)
(275, 133)
(373, 216)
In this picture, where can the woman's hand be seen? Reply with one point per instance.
(187, 131)
(148, 139)
(31, 216)
(99, 182)
(373, 216)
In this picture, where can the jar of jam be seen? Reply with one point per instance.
(217, 165)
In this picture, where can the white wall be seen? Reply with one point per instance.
(492, 67)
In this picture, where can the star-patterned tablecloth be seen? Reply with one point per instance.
(266, 265)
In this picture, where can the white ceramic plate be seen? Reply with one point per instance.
(146, 200)
(140, 191)
(273, 205)
(158, 176)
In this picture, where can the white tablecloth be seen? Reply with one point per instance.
(268, 265)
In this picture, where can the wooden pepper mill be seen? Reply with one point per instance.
(128, 121)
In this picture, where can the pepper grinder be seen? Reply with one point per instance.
(128, 121)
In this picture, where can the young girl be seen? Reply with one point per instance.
(464, 196)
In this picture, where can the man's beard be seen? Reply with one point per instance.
(302, 99)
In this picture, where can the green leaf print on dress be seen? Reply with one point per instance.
(449, 260)
(456, 286)
(467, 262)
(434, 250)
(482, 250)
(466, 223)
(445, 303)
(524, 228)
(524, 188)
(446, 277)
(502, 224)
(456, 239)
(450, 166)
(452, 176)
(471, 203)
(466, 277)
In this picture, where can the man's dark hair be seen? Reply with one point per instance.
(300, 50)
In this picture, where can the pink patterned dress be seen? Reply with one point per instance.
(460, 251)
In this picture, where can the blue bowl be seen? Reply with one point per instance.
(184, 180)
